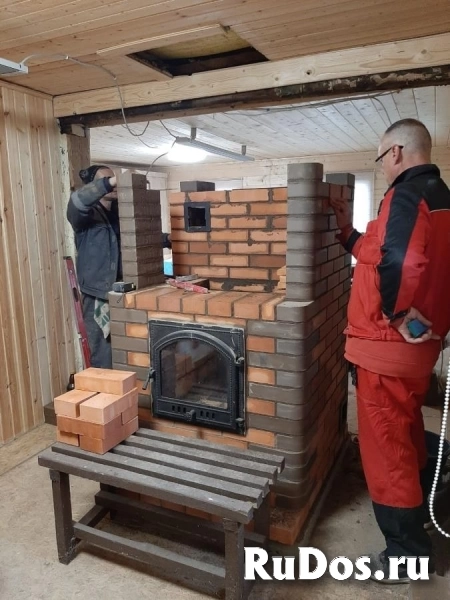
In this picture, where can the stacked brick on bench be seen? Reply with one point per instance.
(100, 412)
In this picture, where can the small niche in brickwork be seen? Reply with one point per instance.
(198, 374)
(197, 216)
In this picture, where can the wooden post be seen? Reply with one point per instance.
(234, 560)
(65, 536)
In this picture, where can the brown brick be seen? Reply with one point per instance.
(103, 408)
(249, 195)
(183, 270)
(229, 261)
(191, 259)
(257, 375)
(129, 300)
(260, 344)
(265, 208)
(176, 210)
(200, 514)
(262, 438)
(138, 359)
(228, 210)
(280, 194)
(219, 223)
(248, 222)
(136, 330)
(94, 430)
(249, 288)
(261, 407)
(236, 273)
(222, 305)
(176, 222)
(194, 304)
(268, 236)
(207, 248)
(266, 262)
(130, 414)
(180, 247)
(229, 235)
(236, 248)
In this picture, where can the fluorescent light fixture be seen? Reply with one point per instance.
(192, 142)
(8, 67)
(183, 154)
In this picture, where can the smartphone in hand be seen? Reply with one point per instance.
(416, 328)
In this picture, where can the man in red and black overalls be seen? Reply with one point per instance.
(402, 273)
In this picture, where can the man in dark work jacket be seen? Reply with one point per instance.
(93, 213)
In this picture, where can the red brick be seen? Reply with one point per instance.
(248, 222)
(184, 236)
(177, 198)
(129, 300)
(100, 446)
(249, 248)
(265, 208)
(239, 235)
(200, 514)
(181, 270)
(103, 408)
(278, 248)
(131, 413)
(176, 222)
(275, 262)
(222, 305)
(166, 316)
(260, 344)
(268, 308)
(207, 248)
(94, 430)
(229, 261)
(263, 438)
(177, 210)
(180, 247)
(136, 330)
(249, 273)
(249, 195)
(221, 272)
(148, 299)
(257, 375)
(249, 306)
(268, 236)
(194, 303)
(219, 223)
(251, 287)
(109, 381)
(138, 359)
(67, 438)
(68, 404)
(171, 302)
(260, 407)
(220, 320)
(216, 196)
(228, 210)
(191, 259)
(279, 222)
(280, 194)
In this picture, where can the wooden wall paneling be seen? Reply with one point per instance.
(16, 262)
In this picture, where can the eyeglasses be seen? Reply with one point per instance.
(388, 150)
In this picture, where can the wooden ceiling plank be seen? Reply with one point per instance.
(353, 116)
(423, 52)
(425, 99)
(371, 115)
(405, 103)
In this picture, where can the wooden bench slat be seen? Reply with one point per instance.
(166, 473)
(229, 508)
(204, 456)
(161, 561)
(267, 459)
(191, 466)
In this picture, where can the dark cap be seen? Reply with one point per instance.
(88, 175)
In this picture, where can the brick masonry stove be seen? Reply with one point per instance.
(295, 372)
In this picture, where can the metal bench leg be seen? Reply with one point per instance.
(65, 537)
(234, 560)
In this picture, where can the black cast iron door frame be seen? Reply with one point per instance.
(229, 343)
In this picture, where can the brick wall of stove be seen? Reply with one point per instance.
(247, 242)
(296, 372)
